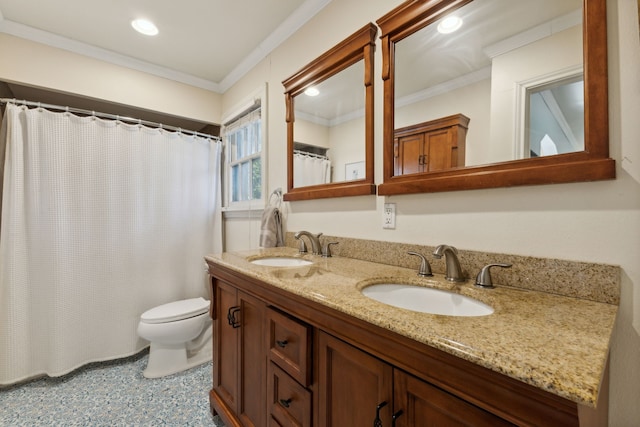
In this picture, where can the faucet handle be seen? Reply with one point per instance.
(326, 251)
(425, 267)
(483, 278)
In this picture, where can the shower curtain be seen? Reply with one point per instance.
(100, 221)
(310, 170)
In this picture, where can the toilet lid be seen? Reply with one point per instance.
(176, 310)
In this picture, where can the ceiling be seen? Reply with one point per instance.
(205, 43)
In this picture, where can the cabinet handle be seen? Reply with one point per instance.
(377, 422)
(231, 316)
(285, 402)
(282, 344)
(395, 416)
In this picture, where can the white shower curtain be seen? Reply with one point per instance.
(100, 221)
(310, 170)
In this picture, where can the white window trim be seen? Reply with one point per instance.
(259, 95)
(522, 88)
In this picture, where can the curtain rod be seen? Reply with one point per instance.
(107, 116)
(306, 153)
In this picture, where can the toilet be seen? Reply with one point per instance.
(180, 335)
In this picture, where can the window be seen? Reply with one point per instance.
(243, 142)
(244, 139)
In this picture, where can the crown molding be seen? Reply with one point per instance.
(296, 20)
(534, 34)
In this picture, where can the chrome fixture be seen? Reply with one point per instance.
(326, 251)
(425, 267)
(453, 271)
(313, 238)
(483, 278)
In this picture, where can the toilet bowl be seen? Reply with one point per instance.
(180, 336)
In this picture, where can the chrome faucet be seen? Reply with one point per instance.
(313, 238)
(453, 271)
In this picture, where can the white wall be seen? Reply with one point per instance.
(311, 133)
(34, 64)
(559, 51)
(347, 146)
(596, 222)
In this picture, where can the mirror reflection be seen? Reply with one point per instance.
(330, 134)
(503, 82)
(330, 130)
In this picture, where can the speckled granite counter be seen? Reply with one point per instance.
(557, 343)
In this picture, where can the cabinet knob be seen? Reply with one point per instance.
(285, 402)
(282, 343)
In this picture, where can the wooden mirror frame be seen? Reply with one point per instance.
(592, 164)
(358, 46)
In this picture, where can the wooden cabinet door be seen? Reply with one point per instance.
(239, 368)
(351, 383)
(424, 405)
(439, 150)
(225, 349)
(409, 152)
(431, 146)
(252, 408)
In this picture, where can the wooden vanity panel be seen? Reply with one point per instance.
(424, 403)
(225, 380)
(351, 384)
(239, 369)
(510, 399)
(289, 402)
(290, 345)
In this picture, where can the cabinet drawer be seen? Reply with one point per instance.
(290, 345)
(289, 402)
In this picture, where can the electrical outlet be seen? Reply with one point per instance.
(389, 216)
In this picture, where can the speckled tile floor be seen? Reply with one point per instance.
(111, 394)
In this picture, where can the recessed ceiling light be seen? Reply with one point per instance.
(144, 26)
(312, 91)
(449, 25)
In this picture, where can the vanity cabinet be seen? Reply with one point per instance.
(430, 146)
(281, 359)
(239, 346)
(351, 384)
(424, 404)
(357, 388)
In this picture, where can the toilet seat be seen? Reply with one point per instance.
(177, 310)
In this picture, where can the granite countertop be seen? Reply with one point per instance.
(556, 343)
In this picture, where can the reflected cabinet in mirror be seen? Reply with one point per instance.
(494, 93)
(330, 122)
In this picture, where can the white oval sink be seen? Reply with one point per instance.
(426, 300)
(281, 262)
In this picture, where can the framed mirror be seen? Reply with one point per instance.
(329, 114)
(512, 93)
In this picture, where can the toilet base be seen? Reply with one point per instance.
(170, 359)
